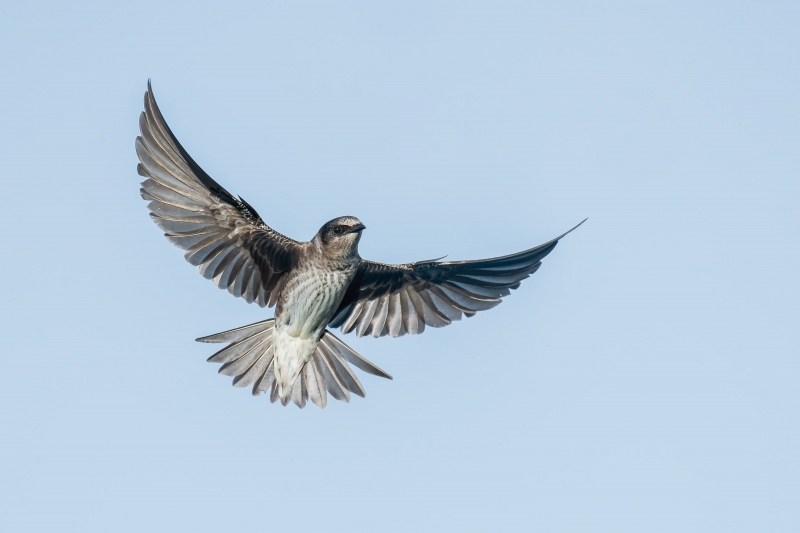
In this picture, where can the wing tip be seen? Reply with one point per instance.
(570, 231)
(555, 241)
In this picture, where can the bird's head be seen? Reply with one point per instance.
(338, 238)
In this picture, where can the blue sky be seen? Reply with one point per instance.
(645, 379)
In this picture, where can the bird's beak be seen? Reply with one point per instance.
(356, 228)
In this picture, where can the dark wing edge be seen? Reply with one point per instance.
(222, 235)
(399, 299)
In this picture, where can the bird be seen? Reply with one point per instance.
(315, 286)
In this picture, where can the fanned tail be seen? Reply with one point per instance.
(249, 359)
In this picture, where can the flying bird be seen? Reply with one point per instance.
(314, 285)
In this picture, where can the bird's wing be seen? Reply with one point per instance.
(399, 299)
(221, 234)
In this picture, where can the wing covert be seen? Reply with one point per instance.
(221, 234)
(398, 299)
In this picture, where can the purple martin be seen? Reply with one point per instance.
(315, 285)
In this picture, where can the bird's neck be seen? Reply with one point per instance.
(334, 257)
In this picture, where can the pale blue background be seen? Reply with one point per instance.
(645, 379)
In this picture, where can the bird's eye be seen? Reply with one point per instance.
(337, 230)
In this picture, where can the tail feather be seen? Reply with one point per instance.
(273, 393)
(347, 377)
(256, 370)
(264, 383)
(354, 358)
(332, 380)
(299, 393)
(315, 384)
(249, 358)
(243, 363)
(285, 399)
(236, 334)
(240, 348)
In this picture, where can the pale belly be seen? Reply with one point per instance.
(306, 305)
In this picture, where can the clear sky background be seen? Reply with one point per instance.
(646, 379)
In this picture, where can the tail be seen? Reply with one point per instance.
(249, 358)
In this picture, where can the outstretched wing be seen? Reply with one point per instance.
(399, 299)
(221, 234)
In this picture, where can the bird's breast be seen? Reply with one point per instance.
(310, 298)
